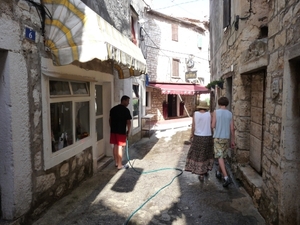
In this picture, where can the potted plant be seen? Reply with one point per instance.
(212, 84)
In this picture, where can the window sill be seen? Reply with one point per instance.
(54, 159)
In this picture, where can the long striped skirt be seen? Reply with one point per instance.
(200, 158)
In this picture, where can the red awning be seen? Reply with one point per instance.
(179, 88)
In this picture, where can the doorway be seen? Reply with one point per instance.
(172, 105)
(257, 119)
(289, 143)
(229, 92)
(99, 120)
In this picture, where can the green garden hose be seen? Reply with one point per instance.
(147, 172)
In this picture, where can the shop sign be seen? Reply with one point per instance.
(191, 75)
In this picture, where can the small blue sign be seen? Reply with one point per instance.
(29, 33)
(147, 80)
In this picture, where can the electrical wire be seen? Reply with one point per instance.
(177, 4)
(188, 11)
(42, 12)
(183, 53)
(153, 42)
(166, 50)
(147, 172)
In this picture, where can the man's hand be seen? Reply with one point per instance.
(232, 144)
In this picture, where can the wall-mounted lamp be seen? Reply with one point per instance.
(237, 17)
(142, 33)
(143, 46)
(236, 22)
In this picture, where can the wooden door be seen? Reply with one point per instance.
(172, 105)
(257, 120)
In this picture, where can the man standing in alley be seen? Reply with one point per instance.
(120, 125)
(222, 121)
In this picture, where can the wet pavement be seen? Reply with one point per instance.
(152, 191)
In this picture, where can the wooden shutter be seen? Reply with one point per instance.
(133, 31)
(174, 32)
(175, 68)
(226, 13)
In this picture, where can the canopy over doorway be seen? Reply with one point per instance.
(179, 88)
(76, 32)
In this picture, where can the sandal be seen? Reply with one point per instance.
(201, 177)
(124, 167)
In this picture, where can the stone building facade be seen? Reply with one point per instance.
(177, 53)
(52, 136)
(255, 50)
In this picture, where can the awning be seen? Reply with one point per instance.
(180, 88)
(76, 32)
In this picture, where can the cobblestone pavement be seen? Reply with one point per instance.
(134, 196)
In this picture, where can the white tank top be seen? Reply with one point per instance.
(202, 124)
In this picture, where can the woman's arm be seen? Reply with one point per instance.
(213, 120)
(193, 126)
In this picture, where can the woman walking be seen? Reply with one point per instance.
(200, 158)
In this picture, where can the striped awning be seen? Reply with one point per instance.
(76, 32)
(179, 88)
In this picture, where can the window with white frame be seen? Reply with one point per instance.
(135, 106)
(69, 112)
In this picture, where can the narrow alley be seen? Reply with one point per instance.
(145, 193)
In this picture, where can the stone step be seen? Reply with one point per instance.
(252, 182)
(103, 162)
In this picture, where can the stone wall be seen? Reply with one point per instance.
(58, 181)
(42, 187)
(284, 21)
(157, 100)
(20, 105)
(26, 188)
(107, 10)
(261, 45)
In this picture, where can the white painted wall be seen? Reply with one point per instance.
(72, 72)
(160, 33)
(124, 87)
(15, 160)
